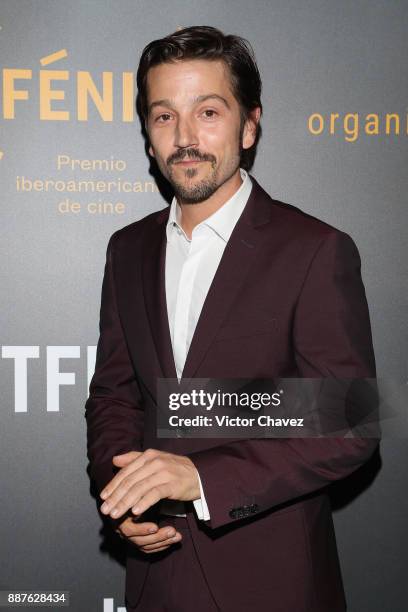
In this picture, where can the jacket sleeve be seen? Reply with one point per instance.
(113, 410)
(331, 338)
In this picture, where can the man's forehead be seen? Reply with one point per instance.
(181, 65)
(165, 75)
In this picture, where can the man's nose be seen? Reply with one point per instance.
(185, 134)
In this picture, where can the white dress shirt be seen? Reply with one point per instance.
(190, 268)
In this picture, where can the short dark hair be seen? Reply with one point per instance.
(206, 42)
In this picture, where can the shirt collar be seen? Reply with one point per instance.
(223, 220)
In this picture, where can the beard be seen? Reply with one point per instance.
(194, 193)
(190, 192)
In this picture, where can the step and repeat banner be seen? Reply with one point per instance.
(73, 169)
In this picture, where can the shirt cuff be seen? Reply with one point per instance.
(200, 505)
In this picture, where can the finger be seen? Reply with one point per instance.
(121, 475)
(155, 550)
(151, 497)
(151, 487)
(125, 458)
(118, 487)
(130, 528)
(164, 534)
(123, 483)
(150, 547)
(145, 465)
(149, 462)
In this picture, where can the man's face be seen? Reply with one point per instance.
(194, 126)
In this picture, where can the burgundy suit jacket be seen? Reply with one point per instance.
(287, 300)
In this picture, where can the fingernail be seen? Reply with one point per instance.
(114, 512)
(105, 507)
(170, 533)
(152, 529)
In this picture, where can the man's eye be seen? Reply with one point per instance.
(209, 113)
(163, 117)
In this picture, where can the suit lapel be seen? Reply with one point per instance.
(236, 263)
(154, 289)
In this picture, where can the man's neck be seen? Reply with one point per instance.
(193, 214)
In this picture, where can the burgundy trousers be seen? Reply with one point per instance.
(175, 581)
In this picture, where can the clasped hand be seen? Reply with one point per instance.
(146, 478)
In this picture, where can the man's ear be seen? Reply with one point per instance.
(151, 152)
(250, 128)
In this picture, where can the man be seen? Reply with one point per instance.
(228, 283)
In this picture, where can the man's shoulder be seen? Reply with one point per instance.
(298, 220)
(295, 223)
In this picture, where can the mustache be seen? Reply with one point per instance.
(192, 154)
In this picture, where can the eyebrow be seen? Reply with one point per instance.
(197, 100)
